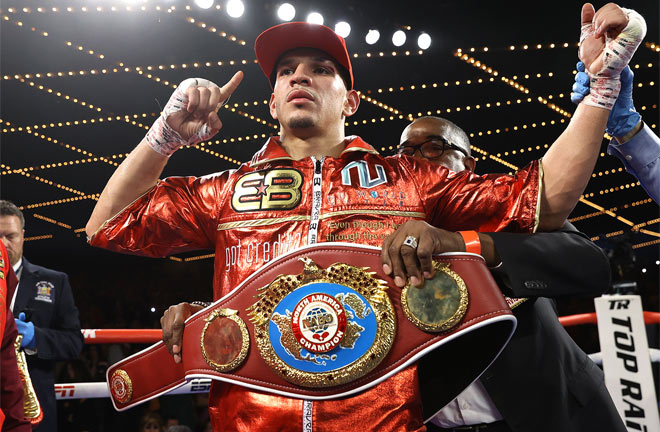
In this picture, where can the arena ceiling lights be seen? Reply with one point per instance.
(287, 12)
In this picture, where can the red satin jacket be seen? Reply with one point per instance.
(275, 204)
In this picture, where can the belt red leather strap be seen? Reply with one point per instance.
(452, 359)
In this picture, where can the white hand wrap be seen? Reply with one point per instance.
(605, 85)
(165, 140)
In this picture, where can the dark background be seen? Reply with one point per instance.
(53, 172)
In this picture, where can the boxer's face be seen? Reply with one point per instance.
(11, 234)
(309, 92)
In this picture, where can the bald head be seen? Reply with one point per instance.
(429, 130)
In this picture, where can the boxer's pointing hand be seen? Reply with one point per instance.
(190, 115)
(201, 100)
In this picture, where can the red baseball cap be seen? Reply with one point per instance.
(272, 43)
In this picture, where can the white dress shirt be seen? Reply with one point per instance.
(18, 269)
(472, 406)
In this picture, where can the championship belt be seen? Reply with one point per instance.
(325, 322)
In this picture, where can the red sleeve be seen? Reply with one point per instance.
(177, 215)
(11, 397)
(491, 202)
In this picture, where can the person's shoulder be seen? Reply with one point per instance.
(42, 271)
(422, 166)
(206, 180)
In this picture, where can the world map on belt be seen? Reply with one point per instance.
(352, 303)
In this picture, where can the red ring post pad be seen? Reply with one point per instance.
(449, 360)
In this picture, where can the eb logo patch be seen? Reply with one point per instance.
(278, 189)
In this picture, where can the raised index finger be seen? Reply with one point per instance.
(231, 85)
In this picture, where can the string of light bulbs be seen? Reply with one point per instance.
(50, 220)
(521, 47)
(211, 29)
(94, 197)
(647, 223)
(513, 83)
(618, 188)
(122, 68)
(59, 164)
(645, 244)
(199, 147)
(44, 180)
(72, 9)
(613, 209)
(621, 232)
(36, 127)
(41, 237)
(71, 147)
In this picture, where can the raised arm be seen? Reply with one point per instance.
(609, 39)
(634, 143)
(189, 117)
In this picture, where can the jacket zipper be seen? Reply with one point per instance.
(317, 199)
(312, 237)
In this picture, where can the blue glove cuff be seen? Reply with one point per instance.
(624, 123)
(32, 343)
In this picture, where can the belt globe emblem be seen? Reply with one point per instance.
(319, 322)
(324, 327)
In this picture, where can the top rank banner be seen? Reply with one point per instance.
(626, 361)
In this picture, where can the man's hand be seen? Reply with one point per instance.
(172, 323)
(597, 28)
(26, 328)
(402, 261)
(623, 117)
(190, 116)
(608, 40)
(198, 104)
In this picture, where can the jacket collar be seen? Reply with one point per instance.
(28, 267)
(273, 150)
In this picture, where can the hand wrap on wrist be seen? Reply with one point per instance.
(605, 84)
(165, 140)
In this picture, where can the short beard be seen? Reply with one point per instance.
(301, 123)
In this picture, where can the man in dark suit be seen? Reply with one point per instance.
(47, 316)
(542, 381)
